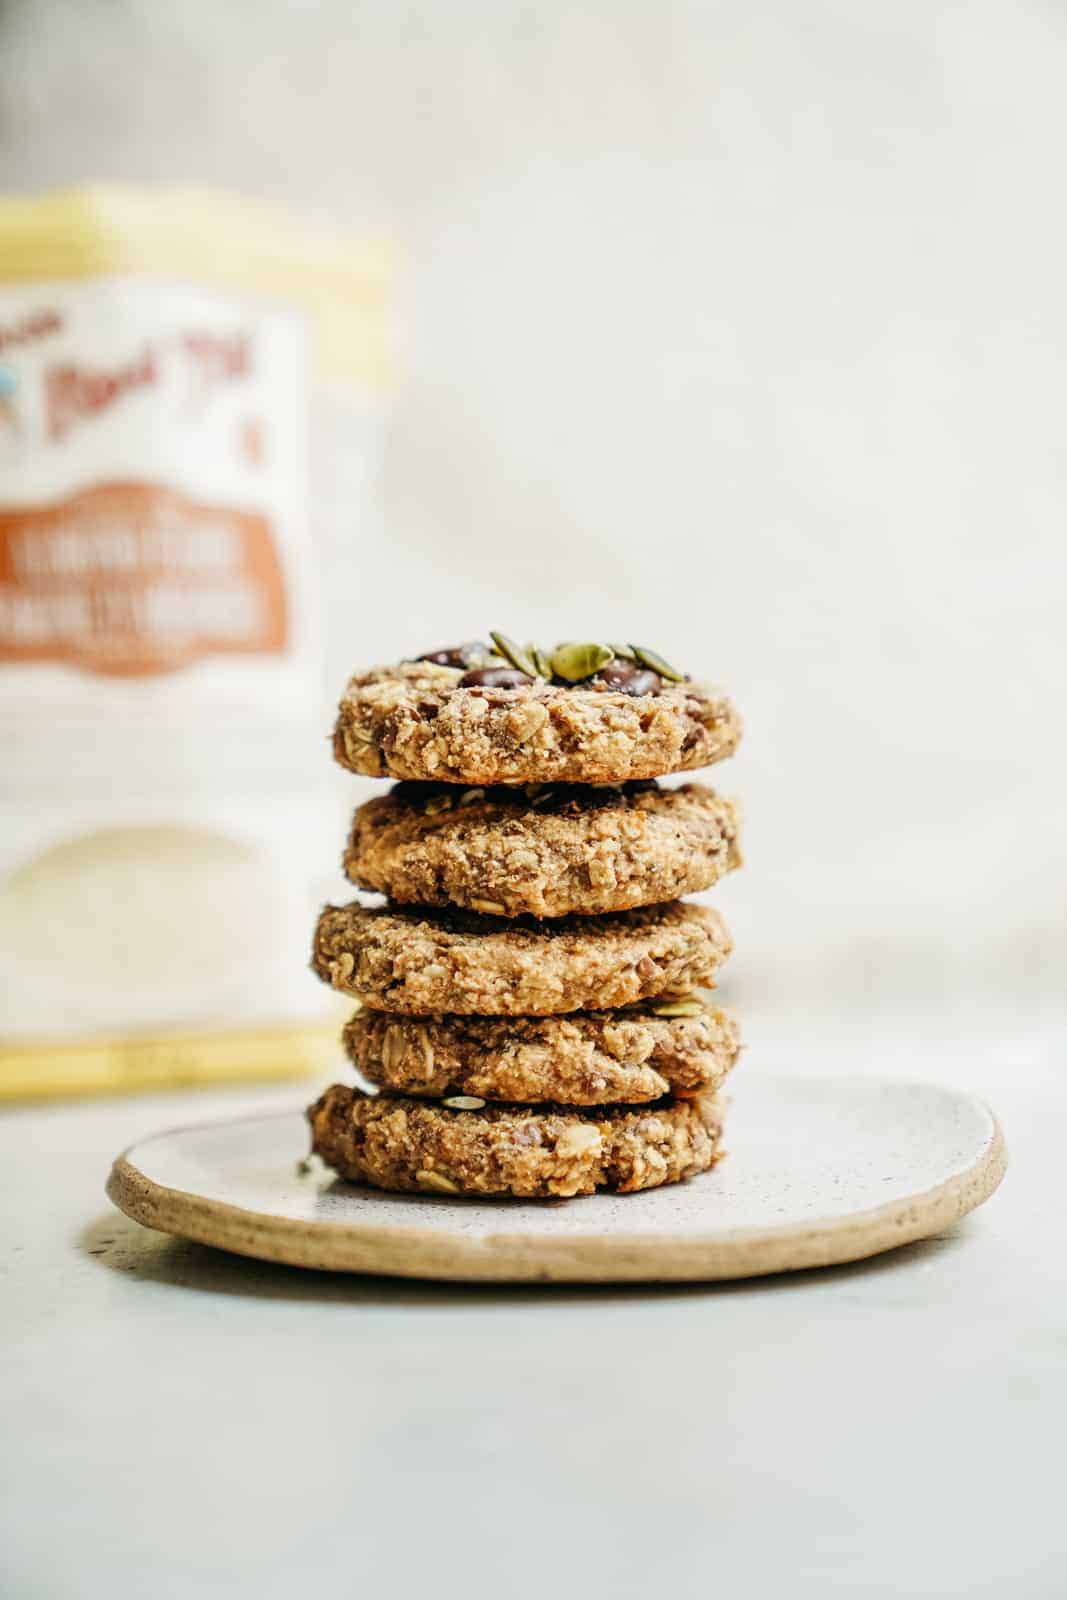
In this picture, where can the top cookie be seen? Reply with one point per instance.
(443, 718)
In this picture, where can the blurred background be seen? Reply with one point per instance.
(735, 329)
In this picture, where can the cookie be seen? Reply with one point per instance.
(544, 850)
(397, 1143)
(458, 961)
(588, 1058)
(428, 721)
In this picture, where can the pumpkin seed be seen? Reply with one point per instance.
(394, 1047)
(649, 658)
(541, 662)
(427, 1051)
(625, 652)
(514, 654)
(434, 1180)
(577, 661)
(678, 1008)
(436, 803)
(464, 1102)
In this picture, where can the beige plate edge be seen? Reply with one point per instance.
(514, 1258)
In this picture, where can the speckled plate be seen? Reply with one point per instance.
(819, 1170)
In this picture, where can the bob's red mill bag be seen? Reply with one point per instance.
(173, 369)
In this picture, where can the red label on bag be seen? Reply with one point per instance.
(133, 579)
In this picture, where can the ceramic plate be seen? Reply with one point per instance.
(818, 1170)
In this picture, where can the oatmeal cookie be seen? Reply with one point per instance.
(588, 1058)
(396, 959)
(545, 849)
(421, 720)
(396, 1143)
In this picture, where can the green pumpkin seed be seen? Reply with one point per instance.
(649, 658)
(541, 662)
(437, 803)
(434, 1180)
(624, 652)
(678, 1008)
(577, 661)
(514, 654)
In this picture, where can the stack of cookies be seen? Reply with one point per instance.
(533, 995)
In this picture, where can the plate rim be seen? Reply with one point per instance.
(421, 1251)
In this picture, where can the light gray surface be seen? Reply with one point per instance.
(180, 1422)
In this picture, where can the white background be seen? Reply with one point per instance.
(735, 328)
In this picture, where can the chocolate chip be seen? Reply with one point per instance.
(493, 678)
(626, 678)
(458, 655)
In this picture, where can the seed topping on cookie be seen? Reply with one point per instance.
(626, 668)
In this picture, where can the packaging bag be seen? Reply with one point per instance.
(190, 403)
